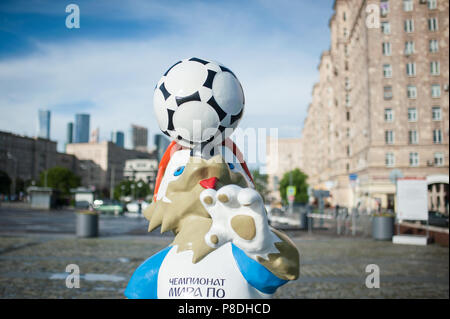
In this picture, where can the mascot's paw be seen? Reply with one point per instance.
(238, 215)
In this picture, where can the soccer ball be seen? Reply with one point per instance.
(198, 102)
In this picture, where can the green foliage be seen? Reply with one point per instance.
(125, 188)
(60, 178)
(299, 180)
(5, 183)
(261, 181)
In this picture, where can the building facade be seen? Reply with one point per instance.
(102, 164)
(141, 170)
(24, 158)
(82, 128)
(381, 102)
(282, 155)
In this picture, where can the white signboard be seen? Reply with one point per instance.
(412, 199)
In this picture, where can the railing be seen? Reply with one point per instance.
(352, 222)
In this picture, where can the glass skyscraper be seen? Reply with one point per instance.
(82, 129)
(44, 124)
(118, 138)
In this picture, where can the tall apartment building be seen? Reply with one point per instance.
(381, 102)
(139, 136)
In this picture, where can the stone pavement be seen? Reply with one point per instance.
(33, 266)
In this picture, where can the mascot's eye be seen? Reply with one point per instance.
(231, 166)
(178, 171)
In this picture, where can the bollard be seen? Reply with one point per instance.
(87, 224)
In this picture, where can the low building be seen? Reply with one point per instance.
(282, 155)
(102, 164)
(24, 158)
(141, 169)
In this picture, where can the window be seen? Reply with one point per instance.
(347, 99)
(387, 91)
(348, 132)
(349, 151)
(435, 90)
(411, 69)
(409, 47)
(411, 91)
(435, 68)
(389, 137)
(432, 4)
(384, 7)
(412, 114)
(344, 16)
(388, 115)
(409, 25)
(434, 46)
(345, 33)
(414, 159)
(437, 136)
(386, 27)
(347, 83)
(439, 159)
(408, 5)
(390, 159)
(387, 71)
(413, 137)
(433, 24)
(348, 116)
(436, 113)
(387, 48)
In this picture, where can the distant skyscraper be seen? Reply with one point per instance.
(139, 137)
(69, 133)
(44, 124)
(118, 138)
(161, 143)
(82, 128)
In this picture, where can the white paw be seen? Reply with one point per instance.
(238, 215)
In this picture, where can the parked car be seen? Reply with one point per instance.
(133, 207)
(108, 206)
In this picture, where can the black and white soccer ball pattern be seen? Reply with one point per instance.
(196, 100)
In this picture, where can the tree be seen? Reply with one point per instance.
(261, 181)
(299, 181)
(5, 183)
(59, 178)
(137, 189)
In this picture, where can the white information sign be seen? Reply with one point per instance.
(412, 199)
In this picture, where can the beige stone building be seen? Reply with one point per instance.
(381, 102)
(102, 164)
(282, 155)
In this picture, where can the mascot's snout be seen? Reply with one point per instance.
(209, 182)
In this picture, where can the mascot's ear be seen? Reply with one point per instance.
(233, 147)
(172, 148)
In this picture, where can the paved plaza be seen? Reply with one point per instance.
(33, 261)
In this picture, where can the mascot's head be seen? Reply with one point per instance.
(181, 178)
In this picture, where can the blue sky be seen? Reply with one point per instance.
(109, 66)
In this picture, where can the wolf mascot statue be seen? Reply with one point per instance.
(223, 245)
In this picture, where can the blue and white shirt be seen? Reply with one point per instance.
(224, 273)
